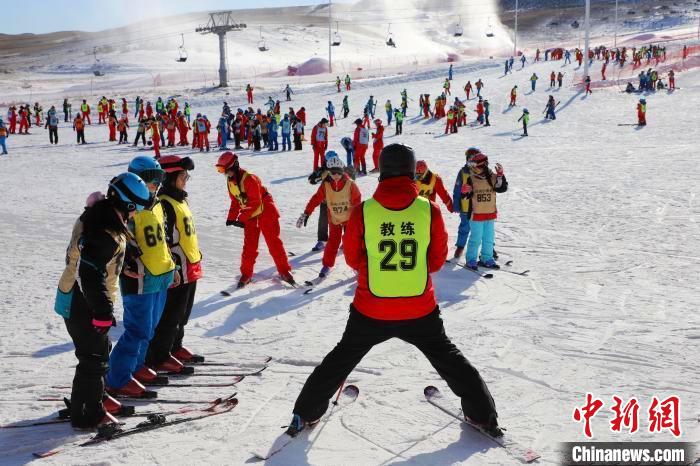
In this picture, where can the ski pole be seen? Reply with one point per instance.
(340, 390)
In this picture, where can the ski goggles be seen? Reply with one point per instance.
(152, 176)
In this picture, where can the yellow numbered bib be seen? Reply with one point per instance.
(187, 234)
(149, 232)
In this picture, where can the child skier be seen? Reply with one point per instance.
(253, 210)
(461, 204)
(378, 143)
(88, 290)
(480, 190)
(394, 296)
(525, 117)
(181, 237)
(549, 108)
(642, 112)
(430, 184)
(341, 195)
(513, 96)
(79, 127)
(330, 111)
(360, 141)
(319, 142)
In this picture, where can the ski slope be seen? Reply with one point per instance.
(605, 217)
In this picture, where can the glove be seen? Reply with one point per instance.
(466, 189)
(102, 326)
(499, 169)
(301, 221)
(235, 223)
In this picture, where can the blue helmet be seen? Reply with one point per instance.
(346, 142)
(147, 168)
(330, 154)
(129, 192)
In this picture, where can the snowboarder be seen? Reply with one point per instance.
(181, 236)
(430, 184)
(480, 190)
(525, 118)
(88, 287)
(394, 296)
(148, 272)
(253, 210)
(340, 195)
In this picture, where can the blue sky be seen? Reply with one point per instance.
(40, 16)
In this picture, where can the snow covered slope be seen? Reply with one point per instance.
(605, 217)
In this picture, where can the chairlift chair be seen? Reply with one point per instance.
(489, 29)
(336, 37)
(262, 44)
(390, 38)
(182, 52)
(459, 30)
(97, 69)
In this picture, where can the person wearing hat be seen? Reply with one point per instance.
(3, 136)
(642, 112)
(395, 241)
(525, 118)
(88, 288)
(181, 237)
(339, 195)
(430, 185)
(460, 203)
(360, 141)
(254, 210)
(319, 142)
(378, 143)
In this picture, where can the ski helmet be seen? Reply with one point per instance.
(129, 192)
(334, 164)
(479, 160)
(227, 161)
(397, 160)
(526, 110)
(471, 152)
(421, 167)
(147, 168)
(175, 163)
(330, 154)
(358, 121)
(346, 142)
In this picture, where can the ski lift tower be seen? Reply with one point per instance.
(221, 22)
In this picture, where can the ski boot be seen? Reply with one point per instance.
(320, 246)
(298, 424)
(148, 376)
(243, 281)
(472, 265)
(324, 272)
(133, 389)
(458, 252)
(288, 278)
(173, 365)
(114, 407)
(495, 255)
(490, 427)
(490, 264)
(184, 355)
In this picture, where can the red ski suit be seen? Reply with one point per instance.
(359, 148)
(335, 231)
(319, 146)
(393, 193)
(258, 213)
(378, 144)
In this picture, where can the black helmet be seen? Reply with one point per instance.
(397, 160)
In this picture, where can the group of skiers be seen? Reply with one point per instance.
(139, 240)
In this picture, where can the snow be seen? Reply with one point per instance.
(605, 217)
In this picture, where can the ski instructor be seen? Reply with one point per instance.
(394, 241)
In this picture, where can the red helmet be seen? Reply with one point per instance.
(227, 161)
(479, 160)
(421, 166)
(175, 163)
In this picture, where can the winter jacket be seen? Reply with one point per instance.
(251, 200)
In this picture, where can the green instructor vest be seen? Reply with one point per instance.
(397, 247)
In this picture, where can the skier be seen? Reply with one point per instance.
(319, 142)
(449, 73)
(298, 129)
(461, 204)
(567, 57)
(286, 127)
(468, 88)
(337, 83)
(52, 125)
(478, 86)
(389, 109)
(79, 128)
(533, 81)
(155, 136)
(4, 134)
(346, 142)
(346, 107)
(66, 111)
(122, 127)
(340, 195)
(560, 78)
(671, 80)
(525, 117)
(602, 70)
(100, 113)
(404, 102)
(188, 112)
(201, 139)
(88, 287)
(487, 112)
(223, 132)
(254, 210)
(449, 123)
(112, 124)
(330, 111)
(181, 237)
(642, 112)
(272, 144)
(522, 61)
(249, 93)
(430, 184)
(347, 82)
(394, 296)
(141, 132)
(288, 92)
(587, 83)
(446, 87)
(480, 189)
(138, 105)
(480, 111)
(552, 79)
(377, 144)
(148, 272)
(399, 121)
(371, 106)
(160, 106)
(549, 108)
(360, 141)
(85, 110)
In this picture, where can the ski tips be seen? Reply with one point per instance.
(430, 391)
(351, 390)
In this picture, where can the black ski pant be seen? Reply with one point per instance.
(81, 136)
(92, 351)
(297, 141)
(426, 333)
(171, 328)
(53, 134)
(123, 137)
(140, 135)
(399, 127)
(65, 116)
(322, 231)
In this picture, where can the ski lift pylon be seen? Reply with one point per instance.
(459, 30)
(390, 38)
(182, 52)
(262, 44)
(336, 37)
(97, 69)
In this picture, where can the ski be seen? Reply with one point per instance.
(184, 410)
(348, 396)
(522, 274)
(111, 432)
(235, 379)
(233, 288)
(515, 449)
(313, 283)
(478, 272)
(261, 363)
(240, 374)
